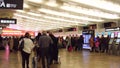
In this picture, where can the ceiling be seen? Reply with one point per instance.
(57, 14)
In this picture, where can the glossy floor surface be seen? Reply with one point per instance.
(73, 59)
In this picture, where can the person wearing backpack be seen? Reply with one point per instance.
(26, 50)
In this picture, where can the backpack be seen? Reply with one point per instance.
(21, 45)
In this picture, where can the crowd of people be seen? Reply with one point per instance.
(46, 46)
(99, 44)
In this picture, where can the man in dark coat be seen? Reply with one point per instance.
(44, 43)
(54, 49)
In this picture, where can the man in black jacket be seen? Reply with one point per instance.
(53, 49)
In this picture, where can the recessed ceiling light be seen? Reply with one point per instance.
(26, 5)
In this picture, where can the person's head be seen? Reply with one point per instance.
(27, 35)
(81, 36)
(44, 33)
(39, 34)
(108, 36)
(50, 33)
(102, 35)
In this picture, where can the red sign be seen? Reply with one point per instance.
(12, 32)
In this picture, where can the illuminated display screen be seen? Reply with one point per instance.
(112, 35)
(117, 41)
(111, 40)
(8, 21)
(86, 38)
(119, 35)
(11, 4)
(116, 34)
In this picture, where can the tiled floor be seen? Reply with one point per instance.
(73, 59)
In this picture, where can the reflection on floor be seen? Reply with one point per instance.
(86, 46)
(73, 59)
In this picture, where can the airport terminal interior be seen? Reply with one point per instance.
(85, 33)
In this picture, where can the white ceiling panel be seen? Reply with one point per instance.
(54, 14)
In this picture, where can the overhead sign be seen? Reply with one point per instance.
(14, 32)
(8, 21)
(112, 29)
(88, 32)
(11, 4)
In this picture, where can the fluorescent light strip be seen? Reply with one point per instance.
(36, 1)
(26, 5)
(35, 28)
(55, 19)
(34, 14)
(52, 3)
(21, 11)
(30, 13)
(67, 15)
(81, 10)
(50, 17)
(60, 19)
(41, 20)
(102, 4)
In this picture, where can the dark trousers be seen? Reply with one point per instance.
(54, 56)
(103, 47)
(45, 56)
(25, 59)
(76, 47)
(80, 47)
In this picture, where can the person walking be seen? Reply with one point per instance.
(44, 43)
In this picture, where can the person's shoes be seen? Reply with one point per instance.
(56, 62)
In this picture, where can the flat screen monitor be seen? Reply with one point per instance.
(112, 35)
(105, 35)
(86, 38)
(119, 35)
(115, 34)
(111, 40)
(117, 41)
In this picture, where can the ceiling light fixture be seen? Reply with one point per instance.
(33, 14)
(36, 1)
(52, 3)
(26, 5)
(91, 12)
(60, 19)
(64, 14)
(100, 3)
(42, 20)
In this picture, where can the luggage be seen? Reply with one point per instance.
(70, 48)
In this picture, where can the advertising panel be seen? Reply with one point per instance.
(7, 21)
(11, 4)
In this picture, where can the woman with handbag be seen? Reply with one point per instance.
(26, 50)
